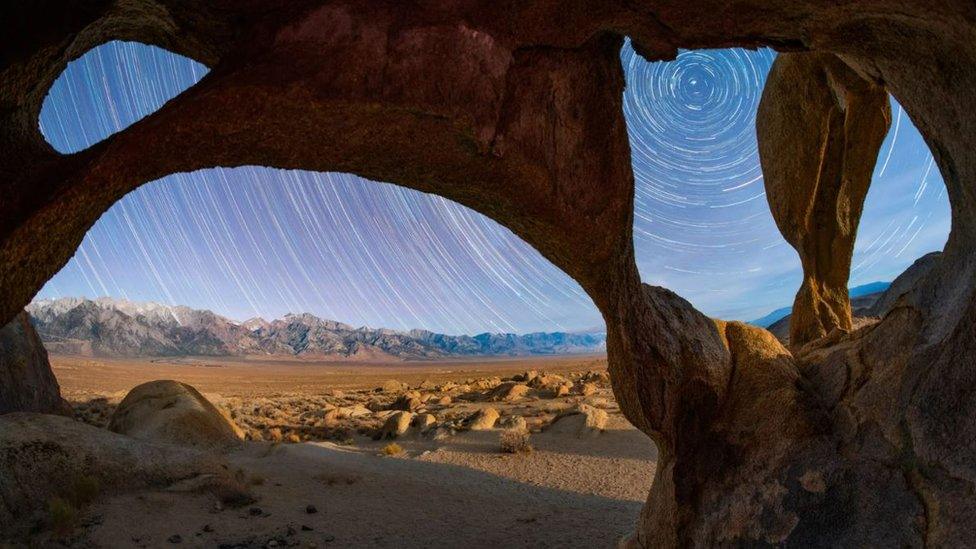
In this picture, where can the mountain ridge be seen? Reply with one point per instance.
(108, 327)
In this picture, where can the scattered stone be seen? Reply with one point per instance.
(444, 401)
(175, 538)
(546, 381)
(584, 420)
(515, 422)
(482, 420)
(509, 391)
(585, 389)
(526, 376)
(422, 422)
(311, 509)
(560, 390)
(392, 386)
(408, 402)
(396, 425)
(255, 511)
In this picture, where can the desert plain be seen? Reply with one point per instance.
(525, 452)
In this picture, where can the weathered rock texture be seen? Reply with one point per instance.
(44, 456)
(866, 439)
(173, 412)
(820, 126)
(26, 381)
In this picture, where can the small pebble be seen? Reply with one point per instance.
(175, 538)
(254, 511)
(310, 509)
(306, 528)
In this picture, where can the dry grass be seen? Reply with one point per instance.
(515, 442)
(392, 449)
(62, 516)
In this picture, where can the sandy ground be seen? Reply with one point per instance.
(455, 491)
(85, 377)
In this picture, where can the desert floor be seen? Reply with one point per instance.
(330, 484)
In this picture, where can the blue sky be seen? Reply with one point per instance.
(255, 241)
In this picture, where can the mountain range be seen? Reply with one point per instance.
(108, 327)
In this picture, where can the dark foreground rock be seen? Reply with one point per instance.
(45, 458)
(26, 381)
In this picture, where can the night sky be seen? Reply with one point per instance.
(255, 241)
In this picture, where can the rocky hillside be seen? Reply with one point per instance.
(111, 327)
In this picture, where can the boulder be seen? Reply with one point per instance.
(173, 412)
(584, 388)
(423, 422)
(392, 386)
(396, 425)
(584, 420)
(509, 391)
(515, 423)
(26, 381)
(482, 420)
(560, 390)
(408, 402)
(353, 412)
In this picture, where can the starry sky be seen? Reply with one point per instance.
(255, 241)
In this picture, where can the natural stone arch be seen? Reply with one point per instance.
(820, 127)
(515, 113)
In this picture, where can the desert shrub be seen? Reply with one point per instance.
(392, 449)
(62, 516)
(515, 441)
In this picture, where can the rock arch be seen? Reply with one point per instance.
(864, 439)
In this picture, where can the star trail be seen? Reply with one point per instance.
(255, 241)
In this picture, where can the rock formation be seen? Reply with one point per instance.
(45, 456)
(866, 438)
(26, 381)
(816, 180)
(173, 412)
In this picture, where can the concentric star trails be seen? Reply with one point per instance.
(255, 241)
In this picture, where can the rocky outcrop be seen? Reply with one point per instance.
(45, 456)
(27, 383)
(176, 413)
(516, 113)
(584, 420)
(816, 179)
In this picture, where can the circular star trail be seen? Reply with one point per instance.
(702, 223)
(261, 242)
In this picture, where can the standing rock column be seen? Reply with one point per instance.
(820, 126)
(27, 383)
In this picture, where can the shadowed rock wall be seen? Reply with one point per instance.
(514, 109)
(26, 381)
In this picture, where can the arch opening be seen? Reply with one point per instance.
(703, 227)
(109, 88)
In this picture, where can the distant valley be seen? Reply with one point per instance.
(107, 327)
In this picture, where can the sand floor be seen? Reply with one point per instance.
(460, 491)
